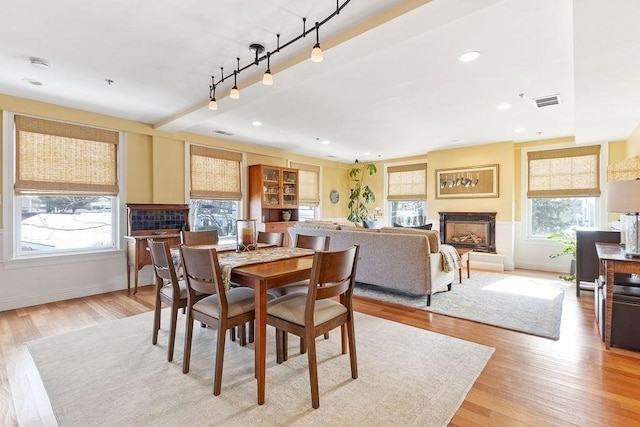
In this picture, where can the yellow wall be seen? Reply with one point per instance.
(498, 153)
(335, 177)
(139, 183)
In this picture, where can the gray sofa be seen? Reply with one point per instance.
(398, 258)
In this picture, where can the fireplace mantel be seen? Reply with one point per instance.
(480, 227)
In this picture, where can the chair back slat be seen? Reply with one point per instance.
(162, 261)
(193, 238)
(270, 238)
(315, 243)
(202, 271)
(333, 273)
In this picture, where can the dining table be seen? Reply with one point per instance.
(261, 277)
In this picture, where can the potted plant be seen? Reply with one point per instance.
(568, 240)
(360, 194)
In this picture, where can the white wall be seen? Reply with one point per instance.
(37, 281)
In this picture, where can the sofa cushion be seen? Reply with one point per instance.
(432, 235)
(318, 225)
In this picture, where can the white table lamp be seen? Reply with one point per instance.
(624, 197)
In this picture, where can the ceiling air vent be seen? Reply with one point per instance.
(222, 132)
(547, 101)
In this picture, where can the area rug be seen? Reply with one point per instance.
(518, 303)
(110, 374)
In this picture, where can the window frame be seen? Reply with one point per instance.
(309, 167)
(12, 210)
(243, 182)
(526, 202)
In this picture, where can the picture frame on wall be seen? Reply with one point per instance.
(467, 182)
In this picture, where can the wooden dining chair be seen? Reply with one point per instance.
(316, 312)
(193, 238)
(315, 243)
(222, 310)
(270, 238)
(169, 290)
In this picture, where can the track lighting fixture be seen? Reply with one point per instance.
(316, 53)
(267, 78)
(258, 50)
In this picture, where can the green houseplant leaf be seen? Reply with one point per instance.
(360, 194)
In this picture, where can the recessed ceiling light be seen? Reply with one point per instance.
(504, 106)
(43, 64)
(32, 82)
(366, 154)
(519, 130)
(326, 142)
(469, 56)
(456, 141)
(256, 123)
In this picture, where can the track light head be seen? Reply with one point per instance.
(267, 78)
(213, 105)
(316, 53)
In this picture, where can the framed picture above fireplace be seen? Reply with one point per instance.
(467, 182)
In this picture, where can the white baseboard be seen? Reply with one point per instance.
(486, 261)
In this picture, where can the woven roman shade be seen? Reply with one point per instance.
(308, 183)
(407, 182)
(215, 174)
(566, 172)
(61, 158)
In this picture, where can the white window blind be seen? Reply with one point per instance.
(407, 182)
(566, 172)
(215, 174)
(61, 158)
(308, 182)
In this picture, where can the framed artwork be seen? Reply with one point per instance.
(467, 182)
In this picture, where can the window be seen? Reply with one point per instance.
(563, 189)
(215, 193)
(66, 187)
(309, 185)
(407, 194)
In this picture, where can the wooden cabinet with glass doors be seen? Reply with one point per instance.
(273, 197)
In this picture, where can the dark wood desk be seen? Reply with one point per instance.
(613, 260)
(261, 277)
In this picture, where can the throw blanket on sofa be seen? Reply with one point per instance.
(450, 258)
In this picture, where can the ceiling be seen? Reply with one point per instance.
(390, 84)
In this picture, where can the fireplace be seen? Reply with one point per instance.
(469, 230)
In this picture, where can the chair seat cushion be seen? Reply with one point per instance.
(302, 286)
(167, 290)
(240, 300)
(291, 308)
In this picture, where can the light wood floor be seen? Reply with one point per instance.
(528, 381)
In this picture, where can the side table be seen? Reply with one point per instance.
(464, 257)
(613, 260)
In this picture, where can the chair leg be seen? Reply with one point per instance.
(303, 346)
(156, 321)
(285, 346)
(172, 332)
(343, 338)
(279, 347)
(352, 348)
(326, 335)
(186, 358)
(313, 370)
(251, 331)
(242, 331)
(217, 382)
(232, 334)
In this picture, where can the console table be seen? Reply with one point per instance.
(613, 260)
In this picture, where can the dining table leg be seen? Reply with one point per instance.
(261, 339)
